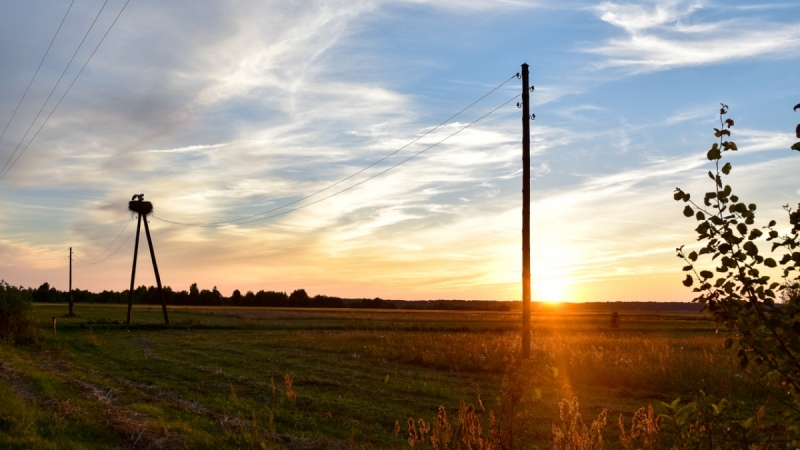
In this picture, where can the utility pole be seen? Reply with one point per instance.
(71, 305)
(133, 270)
(143, 209)
(155, 268)
(526, 216)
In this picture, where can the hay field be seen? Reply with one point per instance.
(275, 378)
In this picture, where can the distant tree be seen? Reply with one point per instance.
(323, 301)
(194, 292)
(299, 299)
(47, 294)
(249, 299)
(236, 298)
(271, 298)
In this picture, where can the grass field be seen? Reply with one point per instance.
(217, 377)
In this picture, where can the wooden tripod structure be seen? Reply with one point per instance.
(142, 208)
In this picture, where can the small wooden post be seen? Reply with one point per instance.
(71, 305)
(54, 325)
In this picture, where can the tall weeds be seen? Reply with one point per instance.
(469, 432)
(572, 433)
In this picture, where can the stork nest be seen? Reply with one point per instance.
(143, 208)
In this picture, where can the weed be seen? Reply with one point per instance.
(291, 395)
(572, 433)
(645, 427)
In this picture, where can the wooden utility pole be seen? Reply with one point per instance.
(142, 208)
(526, 217)
(155, 268)
(133, 270)
(71, 305)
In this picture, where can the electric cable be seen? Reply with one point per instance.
(54, 88)
(37, 70)
(212, 224)
(112, 253)
(68, 88)
(112, 242)
(384, 171)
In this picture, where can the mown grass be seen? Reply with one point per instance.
(215, 378)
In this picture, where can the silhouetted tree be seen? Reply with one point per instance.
(236, 298)
(299, 299)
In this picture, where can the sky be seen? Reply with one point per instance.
(222, 110)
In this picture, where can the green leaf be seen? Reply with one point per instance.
(693, 256)
(728, 342)
(714, 153)
(687, 268)
(769, 262)
(742, 228)
(726, 169)
(796, 146)
(688, 281)
(554, 371)
(700, 215)
(688, 211)
(706, 274)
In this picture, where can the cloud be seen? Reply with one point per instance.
(667, 35)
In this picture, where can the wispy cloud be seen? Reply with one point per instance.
(666, 34)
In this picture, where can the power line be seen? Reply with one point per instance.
(109, 245)
(37, 70)
(384, 171)
(211, 224)
(112, 253)
(68, 88)
(54, 88)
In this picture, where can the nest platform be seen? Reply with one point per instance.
(143, 208)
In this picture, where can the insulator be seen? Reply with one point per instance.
(518, 105)
(531, 88)
(533, 116)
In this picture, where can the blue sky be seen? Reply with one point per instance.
(218, 110)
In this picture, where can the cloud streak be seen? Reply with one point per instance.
(666, 35)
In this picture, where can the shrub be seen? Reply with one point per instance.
(616, 320)
(736, 290)
(16, 324)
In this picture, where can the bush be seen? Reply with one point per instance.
(16, 323)
(734, 285)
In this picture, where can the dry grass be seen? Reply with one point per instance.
(572, 433)
(631, 360)
(469, 432)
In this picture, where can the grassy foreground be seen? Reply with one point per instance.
(274, 378)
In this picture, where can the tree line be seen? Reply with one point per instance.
(144, 295)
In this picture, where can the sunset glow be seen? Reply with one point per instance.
(551, 290)
(254, 106)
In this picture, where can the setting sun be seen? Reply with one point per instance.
(551, 290)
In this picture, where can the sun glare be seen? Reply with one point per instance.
(551, 290)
